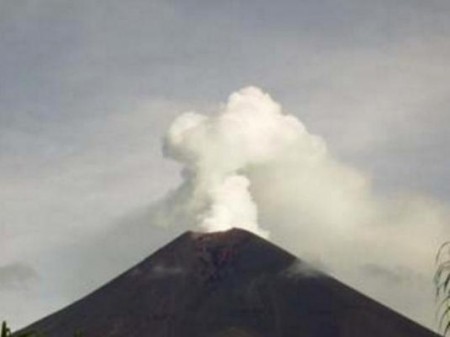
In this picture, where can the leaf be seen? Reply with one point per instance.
(447, 328)
(441, 248)
(443, 317)
(446, 282)
(439, 308)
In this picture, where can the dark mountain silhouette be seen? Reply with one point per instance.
(226, 284)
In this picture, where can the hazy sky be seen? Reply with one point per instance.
(88, 88)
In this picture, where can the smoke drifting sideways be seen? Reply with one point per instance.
(249, 154)
(251, 165)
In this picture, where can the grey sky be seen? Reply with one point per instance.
(87, 89)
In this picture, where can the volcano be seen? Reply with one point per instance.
(223, 284)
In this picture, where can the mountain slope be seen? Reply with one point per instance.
(226, 284)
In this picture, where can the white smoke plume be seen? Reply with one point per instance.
(251, 165)
(218, 151)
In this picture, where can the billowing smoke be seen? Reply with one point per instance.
(219, 151)
(251, 165)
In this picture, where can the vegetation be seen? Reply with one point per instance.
(6, 332)
(442, 285)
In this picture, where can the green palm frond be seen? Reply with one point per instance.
(441, 250)
(442, 287)
(447, 328)
(443, 318)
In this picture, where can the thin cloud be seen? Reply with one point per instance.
(17, 276)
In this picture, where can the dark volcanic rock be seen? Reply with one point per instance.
(223, 284)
